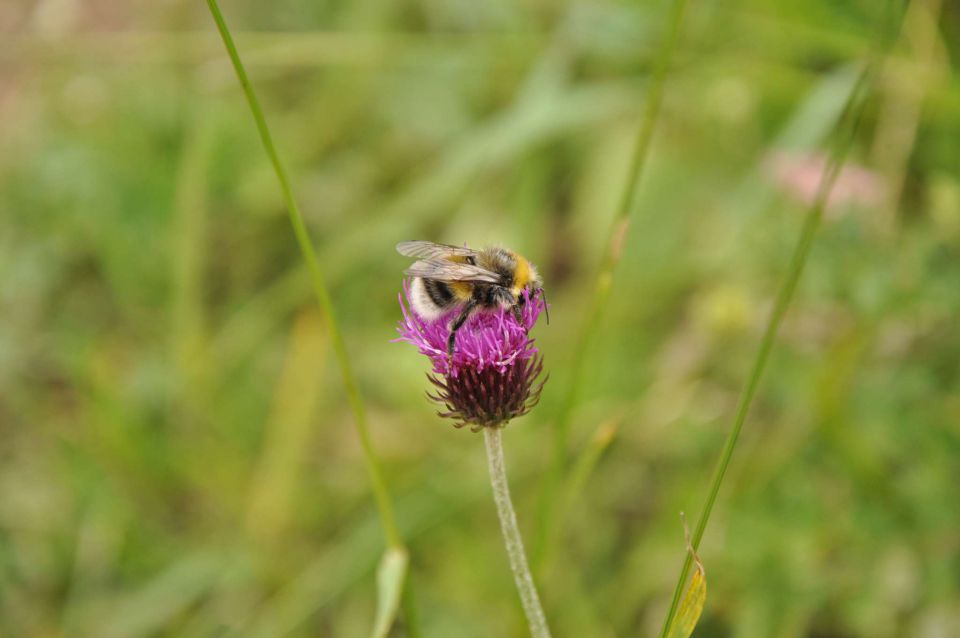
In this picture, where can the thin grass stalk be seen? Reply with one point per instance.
(621, 222)
(382, 495)
(377, 481)
(536, 619)
(611, 258)
(852, 114)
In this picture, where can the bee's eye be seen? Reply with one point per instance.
(521, 300)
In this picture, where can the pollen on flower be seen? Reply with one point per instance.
(492, 376)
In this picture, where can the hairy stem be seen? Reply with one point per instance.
(511, 535)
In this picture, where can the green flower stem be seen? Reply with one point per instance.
(384, 504)
(611, 257)
(536, 619)
(785, 294)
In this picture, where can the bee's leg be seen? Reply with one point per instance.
(457, 324)
(518, 313)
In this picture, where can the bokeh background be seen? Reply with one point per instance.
(177, 457)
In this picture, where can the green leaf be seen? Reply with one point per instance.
(390, 576)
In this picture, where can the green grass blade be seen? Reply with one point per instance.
(853, 111)
(601, 291)
(377, 481)
(621, 222)
(381, 494)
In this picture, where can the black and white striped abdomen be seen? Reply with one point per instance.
(431, 298)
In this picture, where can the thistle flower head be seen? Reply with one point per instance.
(492, 376)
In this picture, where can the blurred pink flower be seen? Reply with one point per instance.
(799, 174)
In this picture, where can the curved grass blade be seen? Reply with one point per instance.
(377, 481)
(323, 296)
(604, 281)
(852, 114)
(784, 296)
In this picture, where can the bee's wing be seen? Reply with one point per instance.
(446, 270)
(430, 250)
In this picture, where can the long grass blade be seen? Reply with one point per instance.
(611, 258)
(850, 120)
(319, 286)
(377, 481)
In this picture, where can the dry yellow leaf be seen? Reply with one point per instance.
(691, 605)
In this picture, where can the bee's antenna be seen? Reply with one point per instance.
(546, 306)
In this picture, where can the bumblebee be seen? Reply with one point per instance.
(450, 277)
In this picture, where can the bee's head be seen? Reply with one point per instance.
(527, 280)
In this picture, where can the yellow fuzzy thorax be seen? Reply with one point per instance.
(522, 275)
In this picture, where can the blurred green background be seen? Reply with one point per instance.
(177, 457)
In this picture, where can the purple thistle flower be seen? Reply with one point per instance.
(492, 376)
